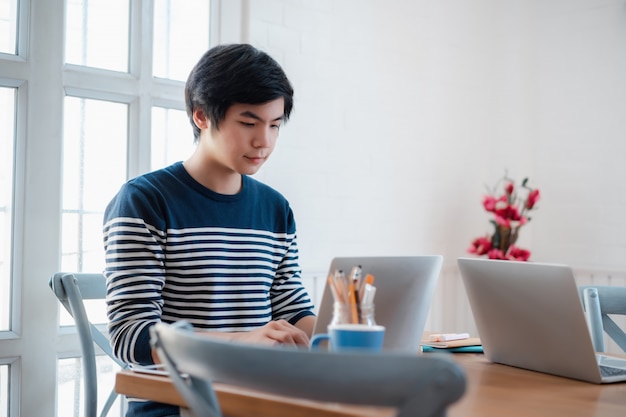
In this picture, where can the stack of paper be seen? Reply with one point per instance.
(452, 343)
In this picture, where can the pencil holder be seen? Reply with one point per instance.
(341, 314)
(367, 315)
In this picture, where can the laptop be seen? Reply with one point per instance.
(404, 290)
(529, 315)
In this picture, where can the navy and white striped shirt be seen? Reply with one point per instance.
(176, 250)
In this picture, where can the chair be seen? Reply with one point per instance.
(599, 302)
(417, 385)
(72, 289)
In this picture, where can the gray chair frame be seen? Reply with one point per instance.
(72, 289)
(599, 301)
(418, 386)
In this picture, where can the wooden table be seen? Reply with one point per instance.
(500, 390)
(241, 402)
(492, 390)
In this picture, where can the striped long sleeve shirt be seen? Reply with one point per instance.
(176, 250)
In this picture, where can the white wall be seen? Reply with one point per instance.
(579, 100)
(405, 110)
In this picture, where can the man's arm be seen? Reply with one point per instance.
(306, 324)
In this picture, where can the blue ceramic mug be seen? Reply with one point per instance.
(351, 337)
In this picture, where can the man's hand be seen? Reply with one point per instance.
(274, 333)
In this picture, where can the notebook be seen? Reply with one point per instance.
(404, 290)
(529, 315)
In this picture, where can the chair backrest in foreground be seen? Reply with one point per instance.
(72, 289)
(418, 386)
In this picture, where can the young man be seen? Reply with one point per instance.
(202, 241)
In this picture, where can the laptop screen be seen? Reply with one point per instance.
(405, 286)
(530, 315)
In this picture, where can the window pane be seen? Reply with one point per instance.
(7, 133)
(70, 386)
(172, 137)
(181, 36)
(4, 390)
(8, 26)
(94, 167)
(97, 33)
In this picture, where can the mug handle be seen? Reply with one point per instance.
(317, 339)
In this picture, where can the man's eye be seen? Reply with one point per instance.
(247, 124)
(275, 126)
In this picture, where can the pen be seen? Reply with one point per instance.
(356, 277)
(368, 294)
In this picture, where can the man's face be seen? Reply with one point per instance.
(246, 137)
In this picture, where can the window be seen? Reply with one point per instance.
(8, 26)
(9, 385)
(70, 386)
(94, 166)
(7, 140)
(96, 131)
(108, 137)
(172, 138)
(180, 36)
(4, 390)
(96, 33)
(88, 99)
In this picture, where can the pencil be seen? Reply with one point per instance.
(369, 279)
(333, 289)
(353, 306)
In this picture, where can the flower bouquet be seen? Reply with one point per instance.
(509, 210)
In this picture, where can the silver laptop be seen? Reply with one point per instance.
(404, 289)
(529, 315)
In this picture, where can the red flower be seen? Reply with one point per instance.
(495, 254)
(533, 197)
(480, 246)
(502, 221)
(507, 211)
(518, 254)
(508, 215)
(502, 204)
(489, 203)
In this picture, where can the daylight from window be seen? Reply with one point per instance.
(172, 137)
(97, 142)
(180, 36)
(8, 26)
(97, 33)
(7, 139)
(94, 167)
(4, 390)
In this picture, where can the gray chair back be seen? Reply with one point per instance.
(600, 301)
(71, 289)
(418, 386)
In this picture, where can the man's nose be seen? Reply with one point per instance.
(263, 137)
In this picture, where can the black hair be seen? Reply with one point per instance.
(235, 73)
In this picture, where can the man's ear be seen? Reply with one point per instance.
(200, 119)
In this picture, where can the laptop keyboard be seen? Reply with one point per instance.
(610, 371)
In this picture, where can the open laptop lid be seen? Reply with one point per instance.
(404, 290)
(530, 315)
